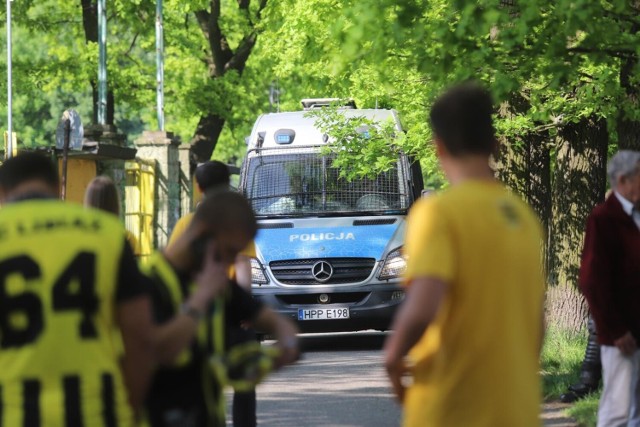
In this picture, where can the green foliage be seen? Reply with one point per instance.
(561, 357)
(585, 410)
(371, 147)
(564, 58)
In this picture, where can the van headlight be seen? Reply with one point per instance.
(394, 265)
(257, 273)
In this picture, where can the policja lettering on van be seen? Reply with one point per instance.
(321, 236)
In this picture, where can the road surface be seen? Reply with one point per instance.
(340, 382)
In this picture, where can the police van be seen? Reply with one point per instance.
(328, 250)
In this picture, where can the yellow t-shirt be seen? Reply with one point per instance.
(477, 363)
(180, 227)
(59, 363)
(183, 223)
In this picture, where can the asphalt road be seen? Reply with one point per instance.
(338, 382)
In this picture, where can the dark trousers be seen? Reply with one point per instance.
(244, 409)
(244, 403)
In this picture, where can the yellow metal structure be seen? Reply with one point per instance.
(80, 172)
(140, 203)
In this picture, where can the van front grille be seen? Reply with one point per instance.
(300, 271)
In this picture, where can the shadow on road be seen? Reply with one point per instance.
(364, 341)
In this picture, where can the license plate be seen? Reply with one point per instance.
(323, 313)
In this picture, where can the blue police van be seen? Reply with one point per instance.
(328, 250)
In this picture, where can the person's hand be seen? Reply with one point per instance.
(211, 280)
(289, 351)
(397, 371)
(626, 344)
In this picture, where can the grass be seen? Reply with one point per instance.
(562, 355)
(584, 410)
(561, 358)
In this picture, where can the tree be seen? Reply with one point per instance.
(208, 45)
(573, 63)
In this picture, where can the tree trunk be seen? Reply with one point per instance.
(579, 183)
(206, 136)
(524, 165)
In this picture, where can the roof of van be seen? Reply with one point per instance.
(306, 133)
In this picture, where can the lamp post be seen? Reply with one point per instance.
(159, 65)
(102, 62)
(9, 147)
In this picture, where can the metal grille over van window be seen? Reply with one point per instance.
(306, 271)
(284, 182)
(382, 221)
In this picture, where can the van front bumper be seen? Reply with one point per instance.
(370, 307)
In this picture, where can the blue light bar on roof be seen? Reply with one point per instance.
(284, 136)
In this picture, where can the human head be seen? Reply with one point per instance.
(461, 121)
(225, 216)
(624, 174)
(101, 193)
(28, 173)
(212, 174)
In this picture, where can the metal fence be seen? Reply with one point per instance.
(139, 205)
(284, 182)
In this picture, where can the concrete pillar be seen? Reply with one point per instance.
(162, 147)
(186, 179)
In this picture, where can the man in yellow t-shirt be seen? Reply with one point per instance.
(471, 328)
(209, 176)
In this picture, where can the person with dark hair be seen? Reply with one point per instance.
(470, 329)
(67, 280)
(610, 280)
(28, 176)
(186, 393)
(211, 176)
(102, 193)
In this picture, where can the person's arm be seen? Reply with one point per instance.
(284, 331)
(133, 317)
(175, 335)
(597, 275)
(243, 271)
(418, 310)
(138, 363)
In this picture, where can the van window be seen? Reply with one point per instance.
(286, 183)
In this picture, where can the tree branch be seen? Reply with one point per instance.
(239, 59)
(617, 53)
(133, 43)
(210, 27)
(621, 17)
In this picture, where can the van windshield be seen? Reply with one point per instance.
(301, 184)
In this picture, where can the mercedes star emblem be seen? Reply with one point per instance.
(322, 271)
